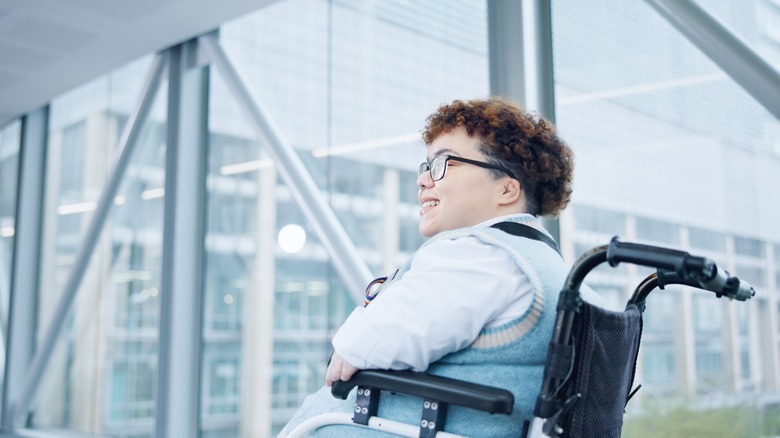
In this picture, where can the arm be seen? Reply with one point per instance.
(453, 290)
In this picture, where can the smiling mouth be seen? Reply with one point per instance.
(427, 204)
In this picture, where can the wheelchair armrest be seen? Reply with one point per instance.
(431, 387)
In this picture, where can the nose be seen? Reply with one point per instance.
(424, 180)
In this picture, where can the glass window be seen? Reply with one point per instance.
(661, 317)
(130, 388)
(749, 247)
(709, 367)
(349, 83)
(706, 239)
(707, 315)
(744, 360)
(599, 220)
(755, 275)
(756, 24)
(655, 125)
(656, 231)
(658, 367)
(101, 378)
(221, 393)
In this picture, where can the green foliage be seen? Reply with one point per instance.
(684, 422)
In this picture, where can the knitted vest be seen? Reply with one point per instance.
(509, 356)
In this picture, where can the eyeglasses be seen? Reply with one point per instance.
(438, 166)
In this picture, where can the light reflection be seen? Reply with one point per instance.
(292, 238)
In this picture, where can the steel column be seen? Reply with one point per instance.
(178, 372)
(520, 59)
(25, 261)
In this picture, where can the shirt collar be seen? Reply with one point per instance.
(515, 217)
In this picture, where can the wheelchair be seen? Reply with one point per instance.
(591, 362)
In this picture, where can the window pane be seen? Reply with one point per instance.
(706, 239)
(666, 139)
(101, 377)
(349, 83)
(756, 24)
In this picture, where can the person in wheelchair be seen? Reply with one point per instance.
(477, 300)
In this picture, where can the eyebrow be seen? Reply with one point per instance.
(445, 151)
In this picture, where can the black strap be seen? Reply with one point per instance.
(522, 230)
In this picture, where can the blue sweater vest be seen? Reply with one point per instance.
(508, 356)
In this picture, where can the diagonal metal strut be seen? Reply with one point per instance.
(349, 265)
(729, 52)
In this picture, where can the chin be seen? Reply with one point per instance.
(427, 231)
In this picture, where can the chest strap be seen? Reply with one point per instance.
(529, 232)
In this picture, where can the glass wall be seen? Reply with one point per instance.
(101, 376)
(350, 84)
(671, 151)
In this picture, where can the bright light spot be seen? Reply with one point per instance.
(292, 237)
(248, 166)
(152, 194)
(145, 294)
(228, 299)
(7, 231)
(80, 207)
(153, 292)
(119, 200)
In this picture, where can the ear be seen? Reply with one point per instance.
(511, 193)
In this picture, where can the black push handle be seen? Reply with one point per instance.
(680, 267)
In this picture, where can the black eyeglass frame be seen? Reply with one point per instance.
(426, 166)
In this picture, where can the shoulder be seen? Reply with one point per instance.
(457, 249)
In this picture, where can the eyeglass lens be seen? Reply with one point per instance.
(437, 166)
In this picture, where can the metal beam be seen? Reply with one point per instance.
(349, 265)
(24, 400)
(520, 54)
(25, 260)
(178, 365)
(539, 75)
(724, 48)
(521, 61)
(538, 48)
(505, 50)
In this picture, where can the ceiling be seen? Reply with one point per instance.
(48, 47)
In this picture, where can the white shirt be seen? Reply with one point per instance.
(453, 289)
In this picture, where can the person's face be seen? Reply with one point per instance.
(465, 196)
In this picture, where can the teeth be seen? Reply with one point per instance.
(430, 203)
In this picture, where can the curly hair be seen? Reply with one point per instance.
(523, 143)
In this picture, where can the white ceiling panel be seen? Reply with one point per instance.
(48, 47)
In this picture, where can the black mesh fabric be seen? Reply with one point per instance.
(606, 349)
